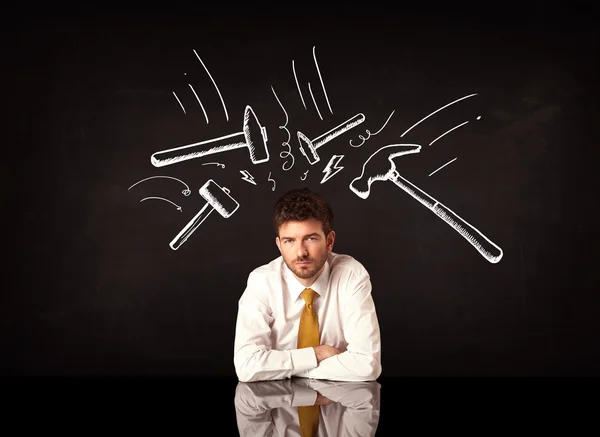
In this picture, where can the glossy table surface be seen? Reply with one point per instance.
(226, 407)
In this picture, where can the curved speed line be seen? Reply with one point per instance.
(185, 192)
(214, 83)
(297, 84)
(369, 132)
(314, 101)
(322, 84)
(284, 154)
(166, 200)
(437, 110)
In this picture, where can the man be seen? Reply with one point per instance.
(308, 313)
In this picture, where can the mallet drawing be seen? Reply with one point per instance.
(311, 146)
(381, 167)
(218, 199)
(253, 136)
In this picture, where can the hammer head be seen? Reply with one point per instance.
(380, 167)
(256, 137)
(219, 198)
(308, 149)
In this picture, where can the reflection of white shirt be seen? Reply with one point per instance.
(269, 315)
(270, 408)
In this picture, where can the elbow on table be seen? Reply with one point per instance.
(372, 371)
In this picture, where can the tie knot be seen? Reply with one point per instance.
(309, 295)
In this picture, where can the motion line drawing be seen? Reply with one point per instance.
(251, 133)
(162, 198)
(284, 154)
(313, 145)
(215, 85)
(449, 162)
(271, 180)
(218, 199)
(381, 167)
(185, 192)
(436, 111)
(370, 134)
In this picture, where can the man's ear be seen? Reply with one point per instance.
(330, 240)
(278, 243)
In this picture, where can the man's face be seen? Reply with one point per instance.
(305, 248)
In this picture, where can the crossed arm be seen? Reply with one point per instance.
(256, 359)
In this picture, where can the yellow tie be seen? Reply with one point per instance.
(308, 336)
(308, 333)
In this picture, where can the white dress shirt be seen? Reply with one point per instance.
(270, 408)
(269, 315)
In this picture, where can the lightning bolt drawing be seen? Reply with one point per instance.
(331, 169)
(246, 176)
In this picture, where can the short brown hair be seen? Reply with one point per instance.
(302, 204)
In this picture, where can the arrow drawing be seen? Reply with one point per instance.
(218, 164)
(160, 198)
(185, 192)
(331, 169)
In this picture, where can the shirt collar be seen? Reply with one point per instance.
(295, 288)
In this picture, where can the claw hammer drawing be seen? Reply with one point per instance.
(381, 167)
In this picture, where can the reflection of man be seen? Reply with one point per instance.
(308, 313)
(274, 408)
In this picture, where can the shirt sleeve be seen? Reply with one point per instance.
(361, 361)
(255, 359)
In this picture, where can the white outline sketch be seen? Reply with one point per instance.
(162, 198)
(321, 79)
(485, 247)
(284, 154)
(218, 164)
(215, 84)
(185, 192)
(309, 87)
(437, 110)
(449, 162)
(313, 145)
(271, 180)
(201, 105)
(331, 166)
(246, 176)
(180, 104)
(314, 101)
(303, 178)
(297, 84)
(244, 139)
(369, 132)
(448, 131)
(214, 196)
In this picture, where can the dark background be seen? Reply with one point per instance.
(91, 285)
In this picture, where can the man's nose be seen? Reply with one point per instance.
(302, 250)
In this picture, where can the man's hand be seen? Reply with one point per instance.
(322, 400)
(325, 351)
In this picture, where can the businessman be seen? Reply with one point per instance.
(308, 313)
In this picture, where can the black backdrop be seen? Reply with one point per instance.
(98, 290)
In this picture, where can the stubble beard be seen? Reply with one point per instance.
(305, 273)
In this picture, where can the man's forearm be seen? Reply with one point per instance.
(348, 366)
(266, 365)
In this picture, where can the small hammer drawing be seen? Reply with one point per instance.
(217, 198)
(251, 132)
(380, 167)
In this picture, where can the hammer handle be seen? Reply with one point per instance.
(484, 246)
(192, 225)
